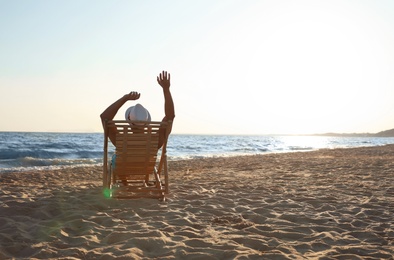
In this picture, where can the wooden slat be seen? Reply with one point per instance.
(136, 137)
(138, 177)
(130, 167)
(137, 149)
(130, 158)
(129, 171)
(124, 155)
(133, 169)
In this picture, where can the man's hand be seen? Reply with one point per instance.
(164, 80)
(133, 95)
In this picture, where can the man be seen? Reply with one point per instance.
(138, 112)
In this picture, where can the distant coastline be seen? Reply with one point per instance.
(386, 133)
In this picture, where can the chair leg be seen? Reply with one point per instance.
(159, 185)
(109, 177)
(147, 179)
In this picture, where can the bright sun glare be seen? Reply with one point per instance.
(301, 65)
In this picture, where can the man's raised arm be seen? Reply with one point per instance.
(164, 81)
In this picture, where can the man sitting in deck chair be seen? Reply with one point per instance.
(138, 112)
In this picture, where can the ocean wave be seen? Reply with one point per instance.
(300, 148)
(29, 162)
(250, 150)
(42, 168)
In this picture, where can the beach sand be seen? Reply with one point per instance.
(326, 204)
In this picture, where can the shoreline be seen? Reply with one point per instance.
(327, 203)
(22, 169)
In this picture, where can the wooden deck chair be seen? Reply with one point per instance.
(134, 170)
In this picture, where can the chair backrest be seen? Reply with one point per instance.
(136, 147)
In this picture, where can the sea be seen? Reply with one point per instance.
(26, 151)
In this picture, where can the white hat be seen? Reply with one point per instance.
(137, 112)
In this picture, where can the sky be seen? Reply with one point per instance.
(237, 66)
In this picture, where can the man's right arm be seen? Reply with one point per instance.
(111, 111)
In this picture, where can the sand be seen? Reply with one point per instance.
(327, 204)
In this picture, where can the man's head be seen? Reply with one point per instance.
(137, 112)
